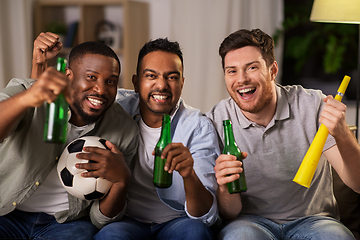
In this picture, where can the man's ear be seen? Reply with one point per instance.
(69, 90)
(69, 73)
(135, 81)
(274, 69)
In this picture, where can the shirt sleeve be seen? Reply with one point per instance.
(99, 219)
(205, 149)
(210, 217)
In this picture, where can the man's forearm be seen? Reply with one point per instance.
(229, 204)
(11, 110)
(350, 153)
(199, 199)
(37, 69)
(114, 201)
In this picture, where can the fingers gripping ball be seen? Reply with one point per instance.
(89, 188)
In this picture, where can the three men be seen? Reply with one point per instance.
(270, 124)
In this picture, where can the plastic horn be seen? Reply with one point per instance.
(309, 164)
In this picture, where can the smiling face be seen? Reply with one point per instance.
(159, 84)
(94, 79)
(249, 81)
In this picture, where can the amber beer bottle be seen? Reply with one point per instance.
(162, 179)
(56, 114)
(231, 148)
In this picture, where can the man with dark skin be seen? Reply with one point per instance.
(188, 207)
(190, 202)
(90, 86)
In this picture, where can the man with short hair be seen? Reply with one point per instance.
(188, 207)
(275, 126)
(33, 202)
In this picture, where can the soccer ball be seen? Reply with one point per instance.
(88, 188)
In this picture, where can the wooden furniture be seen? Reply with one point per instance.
(132, 16)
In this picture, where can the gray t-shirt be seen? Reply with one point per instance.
(275, 153)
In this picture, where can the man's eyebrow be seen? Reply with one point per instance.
(149, 70)
(173, 72)
(167, 73)
(256, 61)
(227, 67)
(247, 64)
(93, 71)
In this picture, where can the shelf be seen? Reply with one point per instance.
(129, 17)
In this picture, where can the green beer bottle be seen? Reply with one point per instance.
(231, 148)
(56, 114)
(162, 179)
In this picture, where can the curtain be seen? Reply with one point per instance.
(15, 39)
(200, 26)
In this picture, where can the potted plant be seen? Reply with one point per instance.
(58, 28)
(321, 51)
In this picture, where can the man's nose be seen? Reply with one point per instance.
(242, 77)
(161, 82)
(100, 87)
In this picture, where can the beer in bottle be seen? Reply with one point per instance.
(231, 148)
(162, 179)
(56, 114)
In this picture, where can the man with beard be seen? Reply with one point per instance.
(275, 126)
(33, 203)
(184, 210)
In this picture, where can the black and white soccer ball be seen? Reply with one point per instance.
(88, 188)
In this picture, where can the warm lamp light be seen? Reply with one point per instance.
(340, 11)
(336, 11)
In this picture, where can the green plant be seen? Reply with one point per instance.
(57, 27)
(334, 44)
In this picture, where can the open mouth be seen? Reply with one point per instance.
(247, 92)
(95, 103)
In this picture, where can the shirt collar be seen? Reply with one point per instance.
(282, 104)
(175, 109)
(87, 127)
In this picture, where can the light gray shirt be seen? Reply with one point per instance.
(275, 153)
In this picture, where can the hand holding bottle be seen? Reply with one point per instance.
(178, 158)
(55, 129)
(46, 88)
(169, 157)
(231, 148)
(227, 169)
(162, 178)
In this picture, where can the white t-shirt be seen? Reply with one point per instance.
(51, 196)
(144, 203)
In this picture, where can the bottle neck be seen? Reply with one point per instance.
(61, 65)
(165, 130)
(228, 135)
